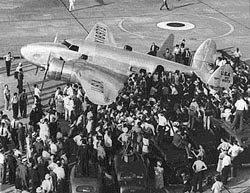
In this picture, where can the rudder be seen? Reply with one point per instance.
(203, 58)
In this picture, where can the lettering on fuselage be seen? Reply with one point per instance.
(226, 76)
(100, 34)
(97, 86)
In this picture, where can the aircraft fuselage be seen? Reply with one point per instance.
(125, 62)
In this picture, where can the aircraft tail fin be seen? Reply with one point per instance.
(169, 43)
(203, 58)
(100, 33)
(222, 77)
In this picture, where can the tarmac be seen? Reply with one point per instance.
(133, 22)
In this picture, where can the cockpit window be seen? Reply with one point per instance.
(71, 46)
(74, 48)
(66, 43)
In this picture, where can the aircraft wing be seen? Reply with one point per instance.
(100, 33)
(169, 43)
(101, 86)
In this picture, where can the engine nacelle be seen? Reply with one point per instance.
(60, 70)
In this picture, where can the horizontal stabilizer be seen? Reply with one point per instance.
(100, 33)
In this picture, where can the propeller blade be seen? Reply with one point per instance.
(46, 71)
(55, 40)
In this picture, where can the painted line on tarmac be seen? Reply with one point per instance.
(121, 25)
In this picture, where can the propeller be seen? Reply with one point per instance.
(46, 71)
(55, 40)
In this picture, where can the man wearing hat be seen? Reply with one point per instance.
(23, 175)
(23, 101)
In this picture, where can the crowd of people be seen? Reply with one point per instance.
(159, 106)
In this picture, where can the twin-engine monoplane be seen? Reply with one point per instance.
(102, 68)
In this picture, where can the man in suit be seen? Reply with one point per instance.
(186, 56)
(8, 60)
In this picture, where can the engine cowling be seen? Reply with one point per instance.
(60, 70)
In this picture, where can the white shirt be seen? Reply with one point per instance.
(162, 121)
(199, 166)
(176, 51)
(89, 125)
(70, 91)
(224, 146)
(217, 187)
(107, 140)
(44, 131)
(227, 113)
(145, 143)
(60, 173)
(4, 132)
(68, 103)
(78, 140)
(123, 138)
(17, 153)
(235, 150)
(237, 54)
(45, 154)
(8, 57)
(226, 161)
(47, 185)
(53, 148)
(241, 105)
(2, 158)
(37, 92)
(174, 90)
(149, 126)
(57, 93)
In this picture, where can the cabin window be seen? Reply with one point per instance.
(66, 43)
(74, 48)
(84, 57)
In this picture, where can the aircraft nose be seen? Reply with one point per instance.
(25, 51)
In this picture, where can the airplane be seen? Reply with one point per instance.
(102, 68)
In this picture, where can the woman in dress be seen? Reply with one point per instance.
(159, 179)
(6, 93)
(59, 104)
